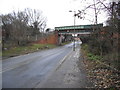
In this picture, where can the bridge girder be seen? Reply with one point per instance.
(77, 33)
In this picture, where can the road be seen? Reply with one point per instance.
(27, 71)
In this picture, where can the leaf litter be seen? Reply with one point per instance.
(101, 75)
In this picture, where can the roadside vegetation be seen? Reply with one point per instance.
(101, 74)
(90, 55)
(101, 49)
(103, 43)
(20, 28)
(15, 51)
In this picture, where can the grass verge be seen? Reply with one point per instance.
(25, 49)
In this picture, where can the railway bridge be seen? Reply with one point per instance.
(68, 33)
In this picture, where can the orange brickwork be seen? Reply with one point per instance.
(51, 39)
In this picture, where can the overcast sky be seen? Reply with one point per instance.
(56, 11)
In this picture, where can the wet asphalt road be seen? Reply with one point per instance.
(27, 71)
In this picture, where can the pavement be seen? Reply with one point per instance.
(69, 74)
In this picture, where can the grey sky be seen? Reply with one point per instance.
(56, 11)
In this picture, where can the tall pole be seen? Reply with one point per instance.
(74, 30)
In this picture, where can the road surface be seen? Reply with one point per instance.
(70, 74)
(27, 71)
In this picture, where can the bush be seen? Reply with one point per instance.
(84, 46)
(93, 57)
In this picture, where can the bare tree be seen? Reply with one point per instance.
(19, 26)
(95, 6)
(106, 43)
(36, 19)
(15, 26)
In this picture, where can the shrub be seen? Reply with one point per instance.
(93, 57)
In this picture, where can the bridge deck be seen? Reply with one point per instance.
(78, 27)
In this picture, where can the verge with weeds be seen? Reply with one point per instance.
(25, 49)
(102, 75)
